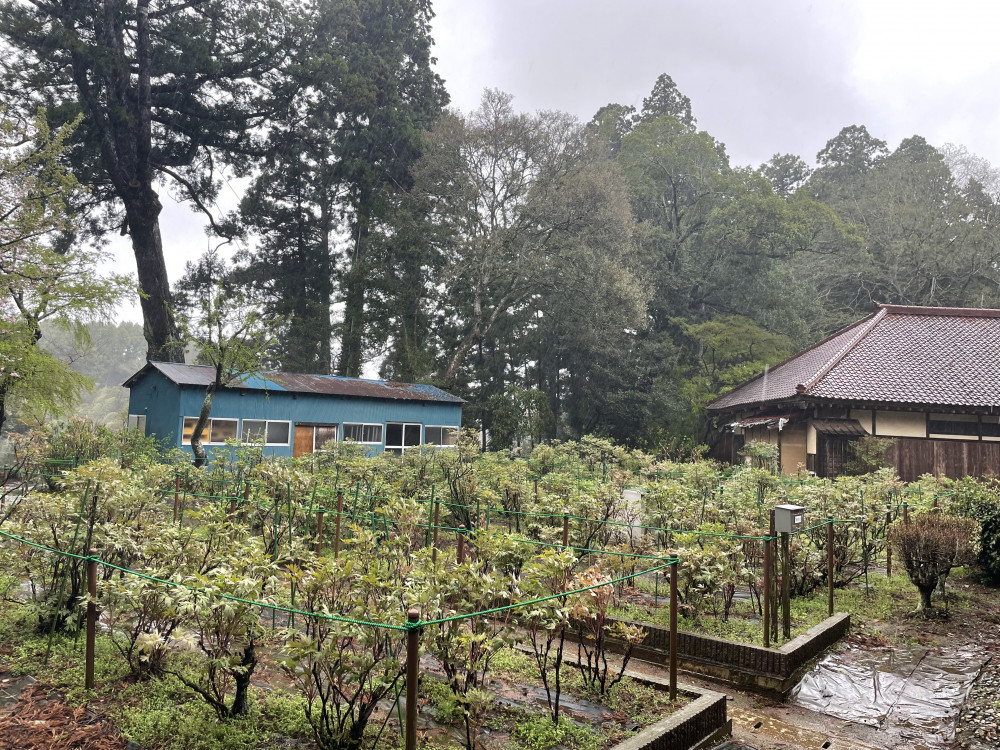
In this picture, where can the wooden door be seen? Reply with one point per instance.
(303, 443)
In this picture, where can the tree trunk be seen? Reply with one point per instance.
(926, 606)
(356, 282)
(162, 338)
(241, 705)
(200, 457)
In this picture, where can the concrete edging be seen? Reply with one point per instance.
(772, 670)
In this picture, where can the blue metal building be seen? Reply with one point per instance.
(291, 415)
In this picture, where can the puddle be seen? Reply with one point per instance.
(912, 694)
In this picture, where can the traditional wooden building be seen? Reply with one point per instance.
(290, 414)
(928, 377)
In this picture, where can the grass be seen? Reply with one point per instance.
(883, 600)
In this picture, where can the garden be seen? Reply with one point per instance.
(311, 602)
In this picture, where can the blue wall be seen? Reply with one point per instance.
(165, 405)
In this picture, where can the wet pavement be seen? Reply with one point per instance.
(912, 695)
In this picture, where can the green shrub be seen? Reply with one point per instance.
(540, 733)
(980, 501)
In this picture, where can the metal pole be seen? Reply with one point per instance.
(412, 675)
(336, 532)
(565, 530)
(766, 593)
(88, 679)
(786, 570)
(829, 565)
(673, 631)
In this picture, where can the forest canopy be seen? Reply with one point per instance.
(564, 277)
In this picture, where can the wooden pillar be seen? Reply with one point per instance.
(906, 513)
(673, 632)
(766, 594)
(437, 519)
(461, 547)
(177, 496)
(88, 679)
(565, 537)
(773, 593)
(336, 530)
(412, 677)
(829, 565)
(786, 571)
(888, 547)
(319, 532)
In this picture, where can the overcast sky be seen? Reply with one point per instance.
(763, 77)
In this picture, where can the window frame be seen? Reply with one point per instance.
(267, 423)
(401, 449)
(209, 427)
(363, 425)
(442, 427)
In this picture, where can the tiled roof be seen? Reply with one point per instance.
(332, 385)
(899, 354)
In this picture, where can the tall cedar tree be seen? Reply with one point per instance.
(339, 166)
(167, 90)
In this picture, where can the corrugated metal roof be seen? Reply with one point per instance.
(329, 385)
(900, 354)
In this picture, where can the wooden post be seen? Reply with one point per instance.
(888, 547)
(412, 676)
(906, 513)
(536, 490)
(336, 531)
(673, 632)
(177, 496)
(461, 547)
(246, 501)
(88, 679)
(565, 530)
(786, 572)
(773, 593)
(319, 531)
(437, 518)
(766, 594)
(829, 565)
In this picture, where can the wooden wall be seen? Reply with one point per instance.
(950, 458)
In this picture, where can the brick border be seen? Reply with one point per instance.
(773, 670)
(701, 723)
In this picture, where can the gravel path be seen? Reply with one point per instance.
(979, 721)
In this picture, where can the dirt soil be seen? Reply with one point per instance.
(39, 720)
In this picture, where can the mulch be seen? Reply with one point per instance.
(41, 721)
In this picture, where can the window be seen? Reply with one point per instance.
(953, 426)
(265, 431)
(137, 422)
(399, 436)
(324, 435)
(991, 427)
(370, 434)
(216, 431)
(443, 436)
